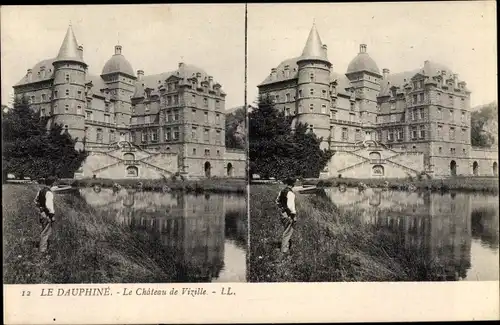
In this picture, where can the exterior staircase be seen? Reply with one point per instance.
(378, 161)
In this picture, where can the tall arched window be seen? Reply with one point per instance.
(475, 168)
(453, 168)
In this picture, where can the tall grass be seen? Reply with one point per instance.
(86, 246)
(328, 245)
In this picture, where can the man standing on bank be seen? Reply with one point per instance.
(286, 204)
(45, 202)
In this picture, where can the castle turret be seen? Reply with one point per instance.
(313, 101)
(120, 79)
(365, 78)
(68, 103)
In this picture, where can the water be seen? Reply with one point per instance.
(207, 233)
(457, 233)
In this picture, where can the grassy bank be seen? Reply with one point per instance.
(328, 245)
(213, 185)
(86, 246)
(469, 184)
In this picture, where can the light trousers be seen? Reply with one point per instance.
(46, 231)
(289, 224)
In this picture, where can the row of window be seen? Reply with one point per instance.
(89, 115)
(33, 99)
(451, 100)
(173, 134)
(419, 84)
(452, 133)
(451, 115)
(99, 135)
(453, 151)
(206, 152)
(345, 134)
(418, 98)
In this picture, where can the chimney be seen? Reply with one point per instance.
(118, 49)
(28, 74)
(362, 48)
(181, 65)
(42, 71)
(385, 72)
(140, 74)
(455, 79)
(210, 82)
(325, 49)
(80, 51)
(198, 77)
(273, 73)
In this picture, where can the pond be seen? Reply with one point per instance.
(459, 232)
(207, 233)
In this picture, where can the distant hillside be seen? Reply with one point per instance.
(484, 125)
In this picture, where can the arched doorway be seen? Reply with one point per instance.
(495, 168)
(230, 170)
(132, 171)
(378, 170)
(453, 168)
(207, 168)
(475, 168)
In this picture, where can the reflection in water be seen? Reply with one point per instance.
(455, 232)
(206, 233)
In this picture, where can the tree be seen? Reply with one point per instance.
(275, 150)
(484, 127)
(29, 149)
(235, 129)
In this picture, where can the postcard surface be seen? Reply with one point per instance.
(250, 163)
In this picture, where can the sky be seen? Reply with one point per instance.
(155, 38)
(399, 36)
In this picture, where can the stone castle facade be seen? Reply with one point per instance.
(380, 124)
(134, 125)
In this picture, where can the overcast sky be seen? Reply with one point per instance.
(155, 38)
(399, 36)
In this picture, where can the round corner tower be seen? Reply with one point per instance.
(68, 103)
(313, 101)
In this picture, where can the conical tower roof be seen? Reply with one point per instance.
(69, 48)
(313, 50)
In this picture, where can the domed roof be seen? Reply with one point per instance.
(118, 63)
(363, 62)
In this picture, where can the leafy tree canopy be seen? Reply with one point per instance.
(484, 125)
(235, 129)
(277, 150)
(30, 150)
